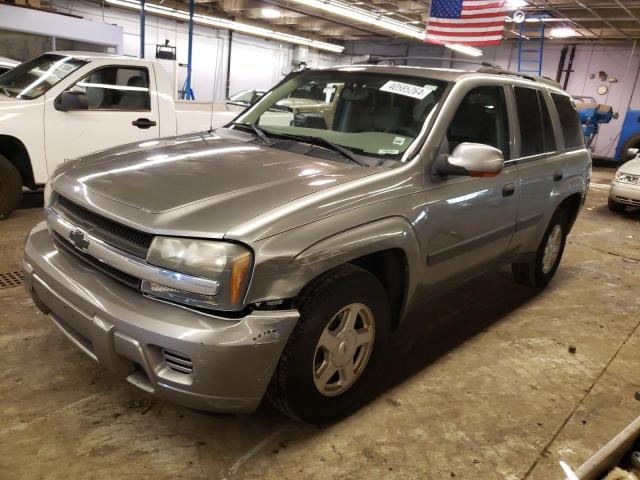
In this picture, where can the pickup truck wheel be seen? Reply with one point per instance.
(538, 272)
(329, 362)
(10, 187)
(615, 206)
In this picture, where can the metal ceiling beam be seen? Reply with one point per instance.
(628, 11)
(551, 8)
(587, 8)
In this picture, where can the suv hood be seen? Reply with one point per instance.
(202, 184)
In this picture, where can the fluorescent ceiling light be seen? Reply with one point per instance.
(466, 49)
(563, 32)
(364, 16)
(229, 25)
(270, 13)
(516, 4)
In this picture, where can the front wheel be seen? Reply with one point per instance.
(10, 187)
(328, 364)
(539, 271)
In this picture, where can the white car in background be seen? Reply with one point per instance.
(625, 187)
(7, 64)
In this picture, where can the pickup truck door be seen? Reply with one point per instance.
(122, 108)
(470, 220)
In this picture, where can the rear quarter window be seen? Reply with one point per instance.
(569, 120)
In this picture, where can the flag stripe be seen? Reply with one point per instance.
(465, 31)
(465, 26)
(468, 22)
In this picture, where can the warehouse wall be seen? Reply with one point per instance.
(255, 63)
(619, 60)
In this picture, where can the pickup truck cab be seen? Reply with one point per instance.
(277, 257)
(63, 105)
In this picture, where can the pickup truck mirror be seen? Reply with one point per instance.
(632, 153)
(67, 101)
(472, 159)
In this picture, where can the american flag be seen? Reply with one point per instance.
(466, 22)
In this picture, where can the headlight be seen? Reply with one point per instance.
(227, 263)
(47, 193)
(627, 178)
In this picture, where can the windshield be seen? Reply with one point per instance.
(372, 114)
(33, 78)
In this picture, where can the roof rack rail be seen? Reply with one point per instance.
(535, 78)
(375, 60)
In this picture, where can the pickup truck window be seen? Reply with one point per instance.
(371, 114)
(31, 79)
(481, 118)
(116, 88)
(569, 120)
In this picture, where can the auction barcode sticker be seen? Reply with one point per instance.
(407, 89)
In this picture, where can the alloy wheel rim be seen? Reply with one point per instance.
(343, 349)
(552, 249)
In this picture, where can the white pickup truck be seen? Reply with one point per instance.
(62, 105)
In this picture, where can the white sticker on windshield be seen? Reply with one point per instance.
(408, 90)
(382, 151)
(399, 141)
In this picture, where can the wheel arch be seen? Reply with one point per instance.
(387, 248)
(16, 152)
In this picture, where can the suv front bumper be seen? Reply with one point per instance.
(191, 358)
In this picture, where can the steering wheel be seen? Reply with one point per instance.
(406, 131)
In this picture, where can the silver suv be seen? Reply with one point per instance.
(276, 255)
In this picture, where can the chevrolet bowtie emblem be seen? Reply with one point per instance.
(77, 238)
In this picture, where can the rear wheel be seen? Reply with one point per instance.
(615, 206)
(328, 364)
(539, 271)
(10, 187)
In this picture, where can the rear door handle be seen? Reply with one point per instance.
(143, 123)
(557, 175)
(508, 190)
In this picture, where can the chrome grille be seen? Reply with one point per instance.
(126, 238)
(177, 362)
(125, 278)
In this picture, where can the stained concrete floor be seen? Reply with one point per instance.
(481, 385)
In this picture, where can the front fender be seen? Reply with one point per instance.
(287, 262)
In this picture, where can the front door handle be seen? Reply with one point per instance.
(557, 175)
(508, 190)
(143, 123)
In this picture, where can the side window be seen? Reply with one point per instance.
(547, 126)
(530, 120)
(480, 118)
(116, 88)
(571, 129)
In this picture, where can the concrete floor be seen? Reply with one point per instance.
(482, 385)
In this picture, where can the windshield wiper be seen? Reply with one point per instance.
(323, 142)
(257, 131)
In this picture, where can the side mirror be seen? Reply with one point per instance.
(67, 101)
(633, 153)
(472, 159)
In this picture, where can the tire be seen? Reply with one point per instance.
(632, 142)
(10, 187)
(537, 273)
(615, 206)
(293, 388)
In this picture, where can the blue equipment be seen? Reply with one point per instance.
(592, 114)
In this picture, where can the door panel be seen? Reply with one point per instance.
(471, 220)
(540, 166)
(122, 108)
